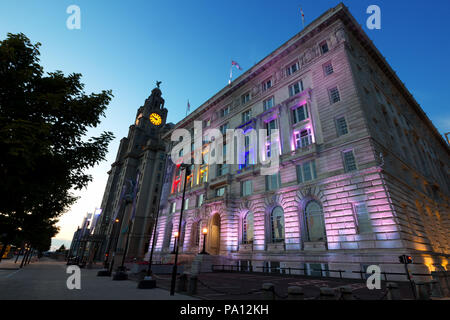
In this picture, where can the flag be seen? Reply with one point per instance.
(234, 63)
(188, 108)
(303, 17)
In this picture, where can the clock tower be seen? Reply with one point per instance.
(131, 198)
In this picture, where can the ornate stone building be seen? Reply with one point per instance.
(363, 178)
(141, 158)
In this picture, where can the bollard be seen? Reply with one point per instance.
(436, 291)
(346, 293)
(393, 291)
(328, 294)
(192, 285)
(422, 290)
(295, 293)
(182, 283)
(269, 291)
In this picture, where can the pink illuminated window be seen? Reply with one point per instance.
(363, 218)
(315, 222)
(303, 138)
(277, 225)
(247, 228)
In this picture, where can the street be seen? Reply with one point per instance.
(46, 280)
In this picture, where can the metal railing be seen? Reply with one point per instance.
(292, 271)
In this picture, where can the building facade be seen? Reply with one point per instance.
(363, 176)
(133, 190)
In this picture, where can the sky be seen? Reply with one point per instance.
(126, 46)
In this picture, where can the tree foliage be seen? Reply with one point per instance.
(44, 152)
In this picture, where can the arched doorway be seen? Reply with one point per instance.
(214, 238)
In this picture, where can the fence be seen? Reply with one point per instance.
(293, 271)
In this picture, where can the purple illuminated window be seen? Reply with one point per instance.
(303, 138)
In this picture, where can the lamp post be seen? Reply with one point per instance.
(204, 232)
(174, 269)
(175, 235)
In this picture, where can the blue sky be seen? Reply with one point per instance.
(127, 45)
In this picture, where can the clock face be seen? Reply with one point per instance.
(155, 119)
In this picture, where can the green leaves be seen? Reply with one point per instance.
(44, 151)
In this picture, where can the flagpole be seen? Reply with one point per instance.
(231, 73)
(303, 17)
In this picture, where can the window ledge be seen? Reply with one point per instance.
(277, 246)
(315, 246)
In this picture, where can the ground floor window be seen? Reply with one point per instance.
(315, 223)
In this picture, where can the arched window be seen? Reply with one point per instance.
(168, 236)
(277, 224)
(182, 233)
(315, 223)
(197, 233)
(247, 228)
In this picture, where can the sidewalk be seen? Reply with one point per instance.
(8, 264)
(47, 280)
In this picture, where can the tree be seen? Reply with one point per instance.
(44, 151)
(62, 248)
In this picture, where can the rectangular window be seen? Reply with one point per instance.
(295, 88)
(328, 69)
(220, 192)
(206, 123)
(273, 181)
(349, 161)
(247, 188)
(174, 207)
(245, 98)
(324, 47)
(246, 115)
(225, 111)
(303, 138)
(267, 85)
(271, 125)
(222, 169)
(223, 128)
(200, 200)
(203, 175)
(300, 113)
(363, 219)
(186, 203)
(341, 126)
(306, 171)
(268, 103)
(334, 95)
(292, 69)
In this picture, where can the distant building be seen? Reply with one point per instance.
(363, 177)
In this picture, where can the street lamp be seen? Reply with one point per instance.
(174, 269)
(204, 232)
(175, 235)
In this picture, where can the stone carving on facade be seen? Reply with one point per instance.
(255, 91)
(340, 35)
(155, 101)
(311, 192)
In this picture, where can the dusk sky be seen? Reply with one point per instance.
(126, 46)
